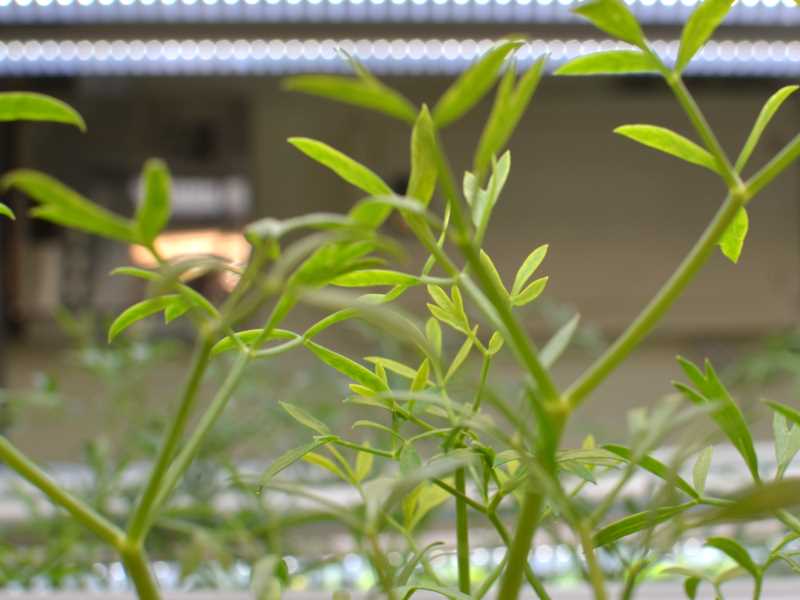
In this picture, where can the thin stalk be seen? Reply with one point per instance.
(476, 403)
(136, 565)
(137, 529)
(189, 451)
(659, 305)
(759, 582)
(462, 533)
(596, 578)
(533, 580)
(82, 513)
(520, 547)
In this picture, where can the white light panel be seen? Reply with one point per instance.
(749, 58)
(745, 12)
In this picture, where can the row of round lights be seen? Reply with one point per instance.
(104, 57)
(781, 12)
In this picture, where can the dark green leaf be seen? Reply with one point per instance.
(699, 28)
(613, 17)
(369, 94)
(690, 586)
(139, 311)
(611, 62)
(29, 106)
(154, 207)
(735, 550)
(638, 522)
(64, 206)
(472, 85)
(305, 418)
(669, 142)
(767, 112)
(732, 239)
(726, 413)
(654, 466)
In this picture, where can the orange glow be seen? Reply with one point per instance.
(181, 244)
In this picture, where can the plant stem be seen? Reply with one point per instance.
(659, 305)
(520, 547)
(462, 533)
(82, 513)
(187, 454)
(137, 529)
(537, 586)
(136, 565)
(759, 582)
(596, 578)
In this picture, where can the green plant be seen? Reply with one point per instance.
(491, 457)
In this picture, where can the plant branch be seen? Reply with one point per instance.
(83, 513)
(462, 533)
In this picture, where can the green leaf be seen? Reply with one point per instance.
(461, 356)
(248, 337)
(422, 179)
(374, 277)
(326, 463)
(176, 310)
(495, 343)
(348, 169)
(364, 462)
(787, 412)
(433, 333)
(669, 142)
(409, 568)
(700, 470)
(7, 212)
(64, 206)
(347, 367)
(732, 239)
(690, 586)
(613, 17)
(726, 412)
(638, 522)
(274, 229)
(421, 501)
(756, 502)
(137, 312)
(29, 106)
(487, 263)
(611, 62)
(654, 466)
(154, 208)
(765, 116)
(699, 28)
(472, 85)
(420, 381)
(287, 459)
(405, 592)
(735, 551)
(370, 94)
(787, 442)
(530, 293)
(528, 268)
(393, 366)
(409, 460)
(509, 106)
(484, 201)
(305, 418)
(557, 344)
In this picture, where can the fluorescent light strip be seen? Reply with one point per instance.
(383, 56)
(745, 12)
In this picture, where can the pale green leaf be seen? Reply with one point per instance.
(424, 171)
(669, 142)
(137, 312)
(611, 62)
(274, 229)
(509, 106)
(305, 418)
(488, 265)
(364, 462)
(701, 468)
(638, 522)
(7, 212)
(153, 211)
(737, 552)
(765, 116)
(393, 366)
(370, 94)
(347, 367)
(375, 277)
(433, 333)
(654, 466)
(30, 106)
(472, 85)
(528, 268)
(732, 239)
(326, 463)
(530, 293)
(290, 457)
(616, 19)
(699, 28)
(495, 343)
(461, 356)
(420, 381)
(557, 344)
